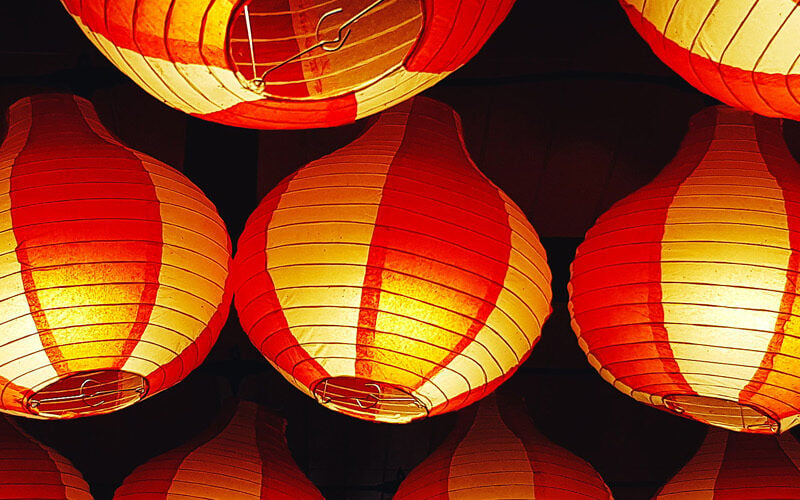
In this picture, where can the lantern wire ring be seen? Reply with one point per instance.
(34, 403)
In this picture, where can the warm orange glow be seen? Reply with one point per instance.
(114, 268)
(745, 53)
(496, 452)
(247, 460)
(684, 294)
(287, 63)
(391, 279)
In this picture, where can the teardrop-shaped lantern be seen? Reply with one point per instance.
(683, 294)
(746, 53)
(391, 279)
(112, 271)
(29, 469)
(242, 456)
(495, 451)
(735, 466)
(288, 64)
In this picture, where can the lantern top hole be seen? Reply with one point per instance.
(325, 50)
(88, 393)
(360, 397)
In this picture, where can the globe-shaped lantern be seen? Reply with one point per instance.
(287, 64)
(684, 294)
(746, 53)
(242, 456)
(112, 271)
(495, 451)
(391, 279)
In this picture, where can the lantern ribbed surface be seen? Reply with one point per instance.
(737, 466)
(496, 452)
(391, 279)
(683, 294)
(29, 469)
(745, 53)
(113, 267)
(287, 63)
(242, 456)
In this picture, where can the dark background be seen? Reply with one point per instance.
(565, 108)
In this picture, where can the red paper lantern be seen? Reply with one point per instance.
(242, 456)
(287, 64)
(496, 452)
(745, 53)
(113, 268)
(29, 469)
(734, 466)
(683, 295)
(391, 279)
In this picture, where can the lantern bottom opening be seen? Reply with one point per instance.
(723, 413)
(88, 393)
(369, 399)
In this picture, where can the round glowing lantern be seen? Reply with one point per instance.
(683, 294)
(734, 466)
(745, 53)
(113, 268)
(243, 455)
(391, 279)
(287, 64)
(29, 469)
(495, 451)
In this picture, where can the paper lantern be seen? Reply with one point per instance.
(289, 63)
(734, 466)
(391, 280)
(243, 455)
(745, 53)
(112, 271)
(496, 452)
(29, 469)
(683, 295)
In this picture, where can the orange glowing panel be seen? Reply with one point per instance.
(242, 456)
(29, 469)
(683, 294)
(745, 53)
(113, 268)
(495, 451)
(391, 279)
(287, 63)
(734, 466)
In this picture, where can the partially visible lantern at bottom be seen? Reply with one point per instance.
(684, 294)
(391, 279)
(113, 266)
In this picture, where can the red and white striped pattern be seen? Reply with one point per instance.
(734, 466)
(683, 294)
(113, 266)
(196, 56)
(243, 456)
(496, 452)
(745, 53)
(393, 270)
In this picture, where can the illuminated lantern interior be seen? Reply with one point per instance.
(745, 53)
(242, 456)
(496, 452)
(738, 466)
(113, 270)
(391, 279)
(290, 64)
(683, 294)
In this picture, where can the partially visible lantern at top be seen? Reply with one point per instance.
(112, 271)
(746, 53)
(287, 64)
(391, 279)
(684, 294)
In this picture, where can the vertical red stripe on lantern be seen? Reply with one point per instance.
(58, 227)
